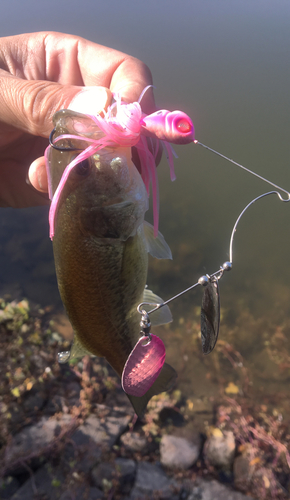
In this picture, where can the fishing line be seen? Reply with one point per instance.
(244, 168)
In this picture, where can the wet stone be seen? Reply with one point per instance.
(244, 468)
(118, 400)
(84, 457)
(126, 471)
(73, 393)
(46, 481)
(34, 402)
(212, 490)
(220, 449)
(151, 481)
(8, 486)
(102, 431)
(178, 452)
(82, 493)
(102, 475)
(134, 442)
(35, 437)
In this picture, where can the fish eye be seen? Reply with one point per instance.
(83, 168)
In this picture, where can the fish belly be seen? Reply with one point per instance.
(101, 283)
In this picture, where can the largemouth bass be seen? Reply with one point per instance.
(100, 249)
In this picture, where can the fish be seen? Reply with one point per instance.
(101, 244)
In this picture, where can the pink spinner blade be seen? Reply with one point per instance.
(143, 366)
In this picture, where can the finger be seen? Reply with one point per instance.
(72, 60)
(91, 100)
(37, 175)
(98, 65)
(29, 105)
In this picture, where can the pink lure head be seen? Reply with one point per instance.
(171, 126)
(143, 366)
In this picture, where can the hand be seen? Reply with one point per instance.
(41, 73)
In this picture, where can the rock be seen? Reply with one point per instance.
(134, 442)
(83, 493)
(151, 481)
(123, 469)
(244, 468)
(220, 448)
(119, 401)
(36, 437)
(212, 490)
(102, 431)
(34, 402)
(178, 452)
(126, 471)
(46, 480)
(102, 475)
(171, 416)
(73, 393)
(95, 494)
(8, 486)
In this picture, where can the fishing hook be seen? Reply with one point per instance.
(51, 143)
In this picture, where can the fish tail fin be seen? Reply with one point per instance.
(164, 382)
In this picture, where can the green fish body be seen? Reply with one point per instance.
(101, 251)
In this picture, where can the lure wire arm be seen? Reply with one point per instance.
(246, 208)
(246, 169)
(227, 266)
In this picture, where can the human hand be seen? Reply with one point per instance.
(41, 73)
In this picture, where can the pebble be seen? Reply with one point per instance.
(8, 486)
(134, 442)
(244, 468)
(102, 431)
(34, 402)
(151, 481)
(35, 437)
(46, 481)
(178, 452)
(220, 448)
(123, 469)
(212, 490)
(83, 493)
(126, 470)
(102, 475)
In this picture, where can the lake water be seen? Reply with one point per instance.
(226, 64)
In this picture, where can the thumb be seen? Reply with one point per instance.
(87, 100)
(29, 105)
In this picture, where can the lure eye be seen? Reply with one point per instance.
(184, 126)
(83, 168)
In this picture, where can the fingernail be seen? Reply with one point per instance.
(91, 100)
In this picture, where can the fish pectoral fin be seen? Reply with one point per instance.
(157, 247)
(161, 316)
(164, 382)
(76, 351)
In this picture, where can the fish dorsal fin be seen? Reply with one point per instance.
(161, 316)
(157, 247)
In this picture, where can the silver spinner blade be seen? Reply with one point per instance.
(210, 316)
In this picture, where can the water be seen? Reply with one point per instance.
(227, 65)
